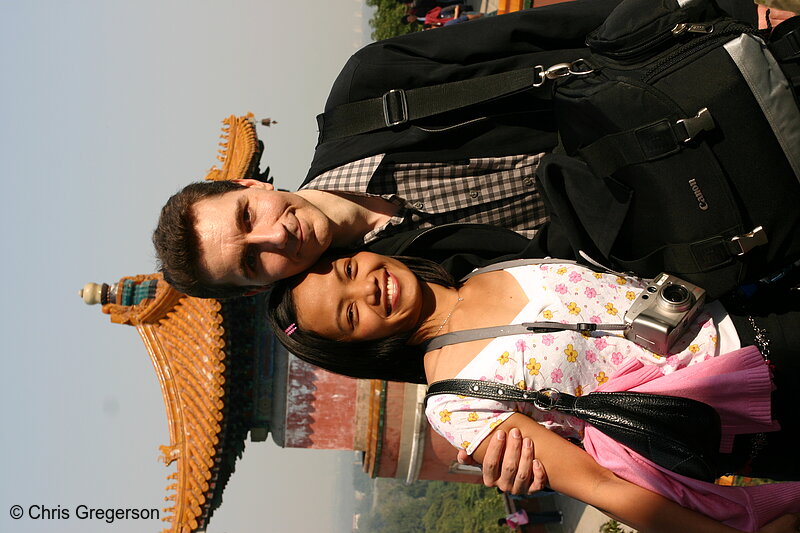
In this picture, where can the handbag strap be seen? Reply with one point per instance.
(400, 106)
(545, 399)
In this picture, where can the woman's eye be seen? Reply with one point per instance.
(350, 316)
(348, 269)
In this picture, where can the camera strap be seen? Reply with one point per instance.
(467, 335)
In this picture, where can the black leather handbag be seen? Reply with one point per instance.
(680, 434)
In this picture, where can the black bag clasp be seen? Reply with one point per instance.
(748, 241)
(395, 107)
(703, 121)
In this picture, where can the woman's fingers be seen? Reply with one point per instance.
(523, 478)
(511, 462)
(539, 477)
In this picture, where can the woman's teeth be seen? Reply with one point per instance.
(389, 293)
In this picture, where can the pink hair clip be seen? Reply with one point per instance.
(291, 329)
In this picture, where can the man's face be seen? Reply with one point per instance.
(258, 235)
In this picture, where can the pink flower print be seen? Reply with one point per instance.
(595, 319)
(591, 356)
(600, 343)
(561, 288)
(590, 292)
(673, 360)
(708, 324)
(556, 375)
(520, 344)
(575, 277)
(548, 339)
(616, 358)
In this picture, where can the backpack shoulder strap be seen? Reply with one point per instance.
(400, 106)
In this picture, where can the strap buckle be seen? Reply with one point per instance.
(703, 121)
(750, 240)
(546, 399)
(395, 107)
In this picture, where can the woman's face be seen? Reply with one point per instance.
(359, 298)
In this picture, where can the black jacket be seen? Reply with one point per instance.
(513, 125)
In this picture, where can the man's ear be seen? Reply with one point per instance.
(256, 290)
(255, 183)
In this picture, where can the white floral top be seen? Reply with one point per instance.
(565, 360)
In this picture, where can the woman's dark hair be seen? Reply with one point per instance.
(390, 358)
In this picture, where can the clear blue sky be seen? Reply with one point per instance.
(108, 107)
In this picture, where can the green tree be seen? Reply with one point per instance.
(385, 22)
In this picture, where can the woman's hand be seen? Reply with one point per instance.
(789, 523)
(509, 464)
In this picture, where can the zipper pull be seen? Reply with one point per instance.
(692, 27)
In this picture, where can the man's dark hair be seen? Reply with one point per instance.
(177, 244)
(390, 358)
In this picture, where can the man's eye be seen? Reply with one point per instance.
(246, 218)
(350, 316)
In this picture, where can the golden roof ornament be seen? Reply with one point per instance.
(240, 150)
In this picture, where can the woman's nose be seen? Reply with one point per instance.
(368, 290)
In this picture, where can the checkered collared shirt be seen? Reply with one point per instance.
(500, 191)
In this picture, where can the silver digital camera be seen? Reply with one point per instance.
(662, 312)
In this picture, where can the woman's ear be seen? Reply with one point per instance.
(255, 183)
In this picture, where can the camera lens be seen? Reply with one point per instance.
(676, 297)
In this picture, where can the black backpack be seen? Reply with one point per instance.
(680, 147)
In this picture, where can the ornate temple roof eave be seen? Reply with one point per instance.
(165, 380)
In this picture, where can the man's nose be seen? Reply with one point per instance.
(273, 237)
